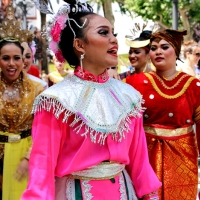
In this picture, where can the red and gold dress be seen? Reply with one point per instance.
(172, 108)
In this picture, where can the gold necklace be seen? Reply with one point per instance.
(173, 86)
(11, 94)
(15, 84)
(171, 78)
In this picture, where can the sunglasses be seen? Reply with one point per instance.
(196, 54)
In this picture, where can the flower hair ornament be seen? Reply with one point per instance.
(59, 21)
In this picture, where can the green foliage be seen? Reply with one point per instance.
(194, 12)
(161, 11)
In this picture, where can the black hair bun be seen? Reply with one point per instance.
(70, 1)
(76, 7)
(146, 34)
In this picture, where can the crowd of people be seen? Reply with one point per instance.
(97, 134)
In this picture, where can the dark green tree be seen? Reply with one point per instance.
(161, 12)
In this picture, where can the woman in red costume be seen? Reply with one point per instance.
(172, 102)
(89, 142)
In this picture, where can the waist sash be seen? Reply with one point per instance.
(168, 132)
(102, 171)
(12, 137)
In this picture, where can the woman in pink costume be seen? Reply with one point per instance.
(88, 137)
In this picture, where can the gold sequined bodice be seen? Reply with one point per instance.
(16, 116)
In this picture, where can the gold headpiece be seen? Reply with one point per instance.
(143, 39)
(131, 40)
(11, 31)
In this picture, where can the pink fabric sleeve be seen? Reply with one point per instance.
(143, 177)
(47, 140)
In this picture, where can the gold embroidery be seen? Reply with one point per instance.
(15, 116)
(168, 132)
(198, 109)
(167, 87)
(167, 79)
(169, 96)
(197, 115)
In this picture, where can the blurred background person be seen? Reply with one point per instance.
(138, 56)
(59, 74)
(139, 52)
(39, 52)
(28, 59)
(33, 70)
(191, 59)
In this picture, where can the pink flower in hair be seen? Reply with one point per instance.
(61, 20)
(53, 46)
(55, 32)
(59, 56)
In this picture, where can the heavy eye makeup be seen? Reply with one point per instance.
(17, 57)
(163, 46)
(103, 32)
(136, 51)
(27, 56)
(106, 32)
(8, 57)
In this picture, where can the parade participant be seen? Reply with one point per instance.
(191, 59)
(87, 129)
(138, 55)
(28, 58)
(33, 70)
(39, 51)
(172, 102)
(58, 75)
(17, 95)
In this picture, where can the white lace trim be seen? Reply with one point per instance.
(70, 189)
(86, 187)
(131, 191)
(122, 188)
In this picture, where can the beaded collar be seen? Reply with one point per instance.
(85, 75)
(99, 109)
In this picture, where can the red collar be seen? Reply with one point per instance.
(85, 75)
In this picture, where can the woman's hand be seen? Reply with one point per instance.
(113, 74)
(22, 170)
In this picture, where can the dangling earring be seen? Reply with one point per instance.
(81, 58)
